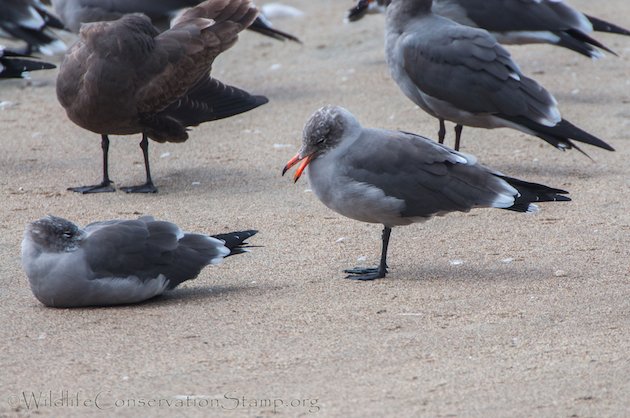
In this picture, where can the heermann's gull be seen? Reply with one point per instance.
(118, 261)
(521, 21)
(75, 12)
(16, 65)
(396, 178)
(124, 77)
(461, 74)
(29, 21)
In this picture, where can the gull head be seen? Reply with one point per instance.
(324, 130)
(54, 234)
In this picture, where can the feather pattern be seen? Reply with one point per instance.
(116, 261)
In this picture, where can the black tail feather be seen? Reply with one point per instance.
(235, 241)
(580, 42)
(259, 25)
(358, 11)
(13, 64)
(533, 192)
(559, 135)
(600, 25)
(50, 19)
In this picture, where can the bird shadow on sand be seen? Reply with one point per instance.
(471, 274)
(192, 294)
(203, 179)
(176, 296)
(202, 293)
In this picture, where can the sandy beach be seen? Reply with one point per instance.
(486, 314)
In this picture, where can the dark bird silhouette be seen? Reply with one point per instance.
(124, 77)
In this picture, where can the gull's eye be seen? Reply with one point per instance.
(67, 234)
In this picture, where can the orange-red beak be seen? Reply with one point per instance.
(293, 161)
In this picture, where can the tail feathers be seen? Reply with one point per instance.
(261, 26)
(603, 26)
(359, 10)
(14, 64)
(195, 251)
(580, 42)
(50, 19)
(36, 39)
(559, 135)
(235, 241)
(533, 192)
(211, 100)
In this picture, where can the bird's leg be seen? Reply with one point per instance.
(371, 273)
(441, 132)
(458, 135)
(148, 186)
(106, 184)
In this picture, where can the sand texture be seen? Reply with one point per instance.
(490, 313)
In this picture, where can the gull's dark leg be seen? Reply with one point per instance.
(441, 132)
(147, 187)
(458, 136)
(106, 184)
(371, 273)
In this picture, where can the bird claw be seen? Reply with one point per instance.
(105, 187)
(365, 273)
(143, 188)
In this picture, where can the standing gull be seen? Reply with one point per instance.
(75, 12)
(124, 77)
(116, 262)
(396, 178)
(521, 21)
(461, 74)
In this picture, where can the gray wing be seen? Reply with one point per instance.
(523, 15)
(146, 248)
(428, 176)
(528, 21)
(467, 68)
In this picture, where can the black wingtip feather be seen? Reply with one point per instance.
(580, 42)
(600, 25)
(273, 33)
(262, 25)
(559, 135)
(358, 11)
(14, 64)
(533, 192)
(235, 241)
